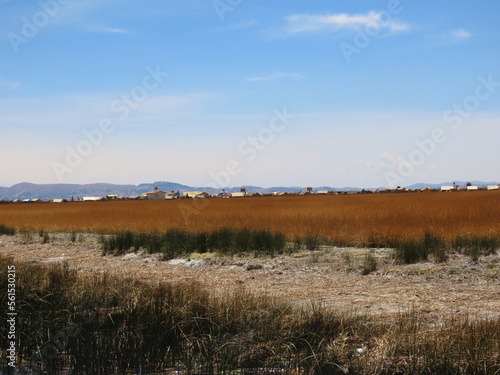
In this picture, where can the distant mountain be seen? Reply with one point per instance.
(449, 183)
(162, 185)
(27, 190)
(289, 189)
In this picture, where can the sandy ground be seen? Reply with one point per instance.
(330, 276)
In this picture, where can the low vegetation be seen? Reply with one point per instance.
(435, 246)
(174, 243)
(102, 324)
(476, 245)
(7, 231)
(419, 250)
(225, 241)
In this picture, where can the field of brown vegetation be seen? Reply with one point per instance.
(354, 220)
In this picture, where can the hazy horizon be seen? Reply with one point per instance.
(459, 182)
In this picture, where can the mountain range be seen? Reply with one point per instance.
(27, 190)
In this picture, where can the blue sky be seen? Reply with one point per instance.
(249, 92)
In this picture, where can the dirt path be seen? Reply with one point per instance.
(331, 276)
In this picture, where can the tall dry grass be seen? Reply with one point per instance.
(344, 219)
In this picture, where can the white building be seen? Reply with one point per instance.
(238, 194)
(93, 199)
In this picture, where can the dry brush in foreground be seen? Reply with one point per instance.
(103, 324)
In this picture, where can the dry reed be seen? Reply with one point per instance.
(365, 219)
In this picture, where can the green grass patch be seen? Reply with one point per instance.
(175, 243)
(7, 231)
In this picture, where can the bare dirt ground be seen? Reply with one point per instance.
(330, 276)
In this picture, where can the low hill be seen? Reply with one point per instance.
(449, 183)
(27, 190)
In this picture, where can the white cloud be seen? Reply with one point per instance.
(452, 37)
(306, 23)
(275, 76)
(460, 34)
(107, 30)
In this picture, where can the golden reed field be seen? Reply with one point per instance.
(345, 219)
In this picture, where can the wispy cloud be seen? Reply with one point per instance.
(78, 13)
(107, 30)
(460, 34)
(327, 23)
(12, 85)
(236, 26)
(452, 37)
(86, 110)
(275, 76)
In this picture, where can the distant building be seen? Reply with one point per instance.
(472, 188)
(224, 194)
(155, 195)
(493, 187)
(305, 192)
(239, 194)
(322, 192)
(279, 193)
(202, 195)
(196, 194)
(172, 195)
(93, 199)
(448, 188)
